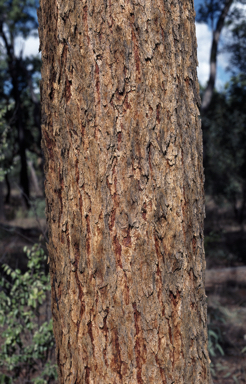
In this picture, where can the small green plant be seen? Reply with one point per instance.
(28, 341)
(37, 209)
(216, 317)
(214, 338)
(243, 350)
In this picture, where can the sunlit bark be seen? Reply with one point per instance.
(124, 189)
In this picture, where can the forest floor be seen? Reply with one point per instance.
(225, 245)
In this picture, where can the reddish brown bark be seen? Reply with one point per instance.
(124, 190)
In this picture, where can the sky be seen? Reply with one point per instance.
(204, 40)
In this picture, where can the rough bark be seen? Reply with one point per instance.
(124, 189)
(208, 93)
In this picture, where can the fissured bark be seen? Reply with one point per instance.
(124, 189)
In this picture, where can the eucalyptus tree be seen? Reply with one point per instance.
(218, 14)
(124, 190)
(17, 79)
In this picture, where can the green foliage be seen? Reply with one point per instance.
(3, 142)
(19, 81)
(237, 47)
(37, 208)
(216, 317)
(208, 11)
(211, 238)
(224, 128)
(28, 341)
(213, 343)
(215, 339)
(17, 16)
(218, 367)
(243, 350)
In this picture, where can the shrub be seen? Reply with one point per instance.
(28, 341)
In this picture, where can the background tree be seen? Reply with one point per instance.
(3, 147)
(237, 47)
(124, 189)
(17, 77)
(217, 14)
(225, 137)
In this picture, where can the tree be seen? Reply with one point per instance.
(237, 47)
(219, 14)
(124, 191)
(211, 11)
(17, 77)
(225, 135)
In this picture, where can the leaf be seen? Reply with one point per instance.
(227, 375)
(212, 333)
(243, 350)
(220, 349)
(235, 379)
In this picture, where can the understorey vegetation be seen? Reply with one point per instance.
(27, 341)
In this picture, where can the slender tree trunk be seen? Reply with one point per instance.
(24, 180)
(2, 214)
(208, 93)
(7, 197)
(124, 189)
(34, 179)
(12, 65)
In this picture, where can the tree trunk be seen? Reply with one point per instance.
(18, 120)
(2, 214)
(7, 197)
(124, 189)
(34, 179)
(24, 180)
